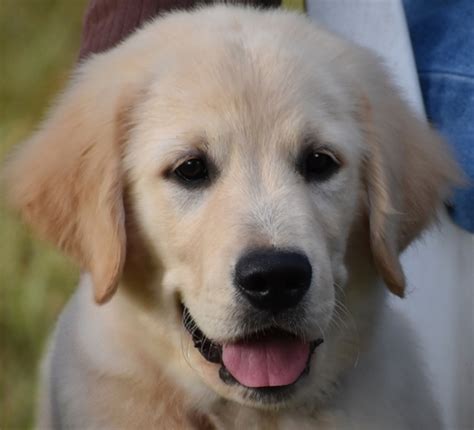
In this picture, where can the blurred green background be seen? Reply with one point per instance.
(39, 42)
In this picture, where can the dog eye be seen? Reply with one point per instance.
(192, 170)
(319, 166)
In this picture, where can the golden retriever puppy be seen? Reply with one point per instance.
(237, 186)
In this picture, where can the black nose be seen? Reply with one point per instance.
(273, 280)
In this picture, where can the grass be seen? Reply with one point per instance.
(39, 42)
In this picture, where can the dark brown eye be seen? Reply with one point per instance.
(192, 170)
(319, 166)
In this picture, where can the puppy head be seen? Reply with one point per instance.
(250, 151)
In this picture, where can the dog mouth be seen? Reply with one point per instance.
(266, 362)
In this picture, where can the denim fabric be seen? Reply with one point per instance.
(442, 34)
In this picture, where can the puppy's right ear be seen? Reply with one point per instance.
(66, 179)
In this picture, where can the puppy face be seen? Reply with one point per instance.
(250, 159)
(257, 167)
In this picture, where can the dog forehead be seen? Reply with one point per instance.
(238, 59)
(248, 85)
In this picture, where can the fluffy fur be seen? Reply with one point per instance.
(249, 89)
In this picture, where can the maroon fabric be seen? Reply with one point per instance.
(107, 22)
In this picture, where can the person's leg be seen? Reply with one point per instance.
(107, 22)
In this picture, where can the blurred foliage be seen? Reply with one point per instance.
(298, 5)
(39, 42)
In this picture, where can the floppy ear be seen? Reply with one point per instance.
(66, 179)
(408, 174)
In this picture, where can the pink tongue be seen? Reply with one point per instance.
(266, 362)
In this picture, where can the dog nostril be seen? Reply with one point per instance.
(256, 283)
(273, 280)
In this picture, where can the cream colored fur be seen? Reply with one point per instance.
(248, 88)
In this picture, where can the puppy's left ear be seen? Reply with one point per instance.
(408, 173)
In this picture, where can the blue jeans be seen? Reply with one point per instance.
(442, 34)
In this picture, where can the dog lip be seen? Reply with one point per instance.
(212, 352)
